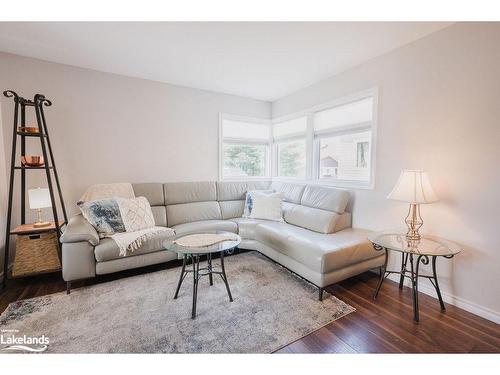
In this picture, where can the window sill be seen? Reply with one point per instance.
(336, 184)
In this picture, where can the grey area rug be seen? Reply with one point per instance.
(271, 308)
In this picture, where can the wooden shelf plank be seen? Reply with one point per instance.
(26, 134)
(26, 167)
(30, 229)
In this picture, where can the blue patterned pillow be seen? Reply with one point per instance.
(249, 200)
(104, 215)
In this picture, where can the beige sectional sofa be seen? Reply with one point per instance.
(315, 241)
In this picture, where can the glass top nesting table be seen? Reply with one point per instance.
(416, 252)
(195, 253)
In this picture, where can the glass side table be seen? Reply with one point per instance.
(416, 252)
(194, 253)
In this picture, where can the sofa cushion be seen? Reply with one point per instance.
(246, 226)
(188, 192)
(109, 250)
(188, 212)
(153, 192)
(319, 252)
(291, 192)
(160, 215)
(231, 209)
(317, 220)
(206, 226)
(234, 190)
(325, 198)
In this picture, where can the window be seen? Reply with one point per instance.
(343, 142)
(332, 143)
(290, 148)
(244, 147)
(291, 159)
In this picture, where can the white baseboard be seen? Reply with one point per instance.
(469, 306)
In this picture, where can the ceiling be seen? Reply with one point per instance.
(261, 60)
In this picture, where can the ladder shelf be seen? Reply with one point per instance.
(38, 103)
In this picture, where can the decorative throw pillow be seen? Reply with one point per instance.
(267, 206)
(104, 215)
(249, 200)
(136, 213)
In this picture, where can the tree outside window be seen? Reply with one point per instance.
(291, 159)
(244, 160)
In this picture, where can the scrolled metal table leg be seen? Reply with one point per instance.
(436, 285)
(414, 281)
(382, 273)
(404, 261)
(425, 260)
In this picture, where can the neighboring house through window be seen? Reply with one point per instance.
(344, 133)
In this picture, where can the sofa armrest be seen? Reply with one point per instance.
(78, 230)
(78, 261)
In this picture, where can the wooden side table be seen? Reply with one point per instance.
(37, 250)
(416, 252)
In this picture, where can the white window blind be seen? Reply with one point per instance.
(297, 126)
(353, 113)
(234, 129)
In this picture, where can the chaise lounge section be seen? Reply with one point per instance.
(315, 240)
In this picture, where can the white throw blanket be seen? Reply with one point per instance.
(136, 215)
(130, 241)
(103, 191)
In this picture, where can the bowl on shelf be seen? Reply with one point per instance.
(28, 129)
(32, 161)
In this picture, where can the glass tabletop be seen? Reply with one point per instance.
(428, 245)
(234, 241)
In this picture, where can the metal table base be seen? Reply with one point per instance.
(413, 274)
(198, 273)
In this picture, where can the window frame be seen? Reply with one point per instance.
(344, 130)
(243, 141)
(297, 136)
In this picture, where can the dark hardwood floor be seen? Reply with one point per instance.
(381, 326)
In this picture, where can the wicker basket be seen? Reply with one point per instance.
(35, 254)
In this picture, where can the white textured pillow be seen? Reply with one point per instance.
(249, 200)
(136, 213)
(267, 206)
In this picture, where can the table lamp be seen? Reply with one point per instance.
(414, 187)
(38, 199)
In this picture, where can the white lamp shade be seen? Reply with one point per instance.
(39, 198)
(413, 186)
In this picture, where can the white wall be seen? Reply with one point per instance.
(109, 128)
(439, 110)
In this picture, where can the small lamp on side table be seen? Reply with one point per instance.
(38, 199)
(414, 187)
